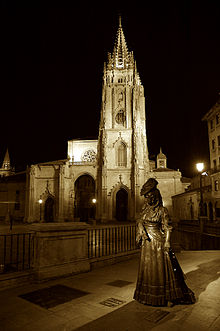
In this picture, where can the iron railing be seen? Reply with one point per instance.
(111, 239)
(16, 251)
(197, 234)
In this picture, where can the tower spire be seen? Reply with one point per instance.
(121, 58)
(6, 162)
(6, 169)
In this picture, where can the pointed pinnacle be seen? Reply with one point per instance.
(120, 21)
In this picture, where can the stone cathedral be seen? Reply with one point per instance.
(101, 179)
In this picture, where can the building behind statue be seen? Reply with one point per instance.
(100, 179)
(207, 184)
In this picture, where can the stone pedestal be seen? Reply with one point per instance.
(60, 249)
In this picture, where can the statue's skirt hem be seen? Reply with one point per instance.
(160, 278)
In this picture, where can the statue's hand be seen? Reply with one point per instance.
(139, 240)
(166, 247)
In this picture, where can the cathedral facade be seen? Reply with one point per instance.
(101, 179)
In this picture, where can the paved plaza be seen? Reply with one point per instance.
(102, 300)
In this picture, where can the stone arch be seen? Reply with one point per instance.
(84, 173)
(84, 188)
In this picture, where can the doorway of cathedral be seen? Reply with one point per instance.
(49, 210)
(121, 205)
(84, 208)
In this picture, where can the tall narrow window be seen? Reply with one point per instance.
(213, 143)
(122, 155)
(214, 164)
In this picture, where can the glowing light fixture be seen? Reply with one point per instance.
(40, 201)
(94, 200)
(200, 166)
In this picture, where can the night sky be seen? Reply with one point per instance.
(52, 66)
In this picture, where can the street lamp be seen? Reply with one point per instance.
(200, 167)
(40, 201)
(94, 207)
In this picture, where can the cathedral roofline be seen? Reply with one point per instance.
(56, 162)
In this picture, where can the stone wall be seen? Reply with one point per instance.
(60, 249)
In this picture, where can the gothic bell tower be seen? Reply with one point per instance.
(123, 163)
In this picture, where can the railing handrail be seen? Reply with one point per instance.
(16, 233)
(105, 226)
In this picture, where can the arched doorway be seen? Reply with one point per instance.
(121, 205)
(49, 210)
(84, 208)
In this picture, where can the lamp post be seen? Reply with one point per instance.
(200, 167)
(40, 203)
(94, 206)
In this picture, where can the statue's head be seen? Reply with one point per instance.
(150, 184)
(151, 193)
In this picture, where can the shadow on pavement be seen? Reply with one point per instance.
(199, 279)
(135, 316)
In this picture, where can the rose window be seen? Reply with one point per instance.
(89, 156)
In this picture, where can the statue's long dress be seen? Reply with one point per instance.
(160, 278)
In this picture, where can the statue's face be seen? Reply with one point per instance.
(151, 198)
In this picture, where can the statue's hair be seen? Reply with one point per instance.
(157, 196)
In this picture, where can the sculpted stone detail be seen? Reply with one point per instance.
(89, 156)
(48, 190)
(120, 117)
(32, 170)
(118, 186)
(119, 140)
(120, 96)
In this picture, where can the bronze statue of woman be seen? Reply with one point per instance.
(160, 278)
